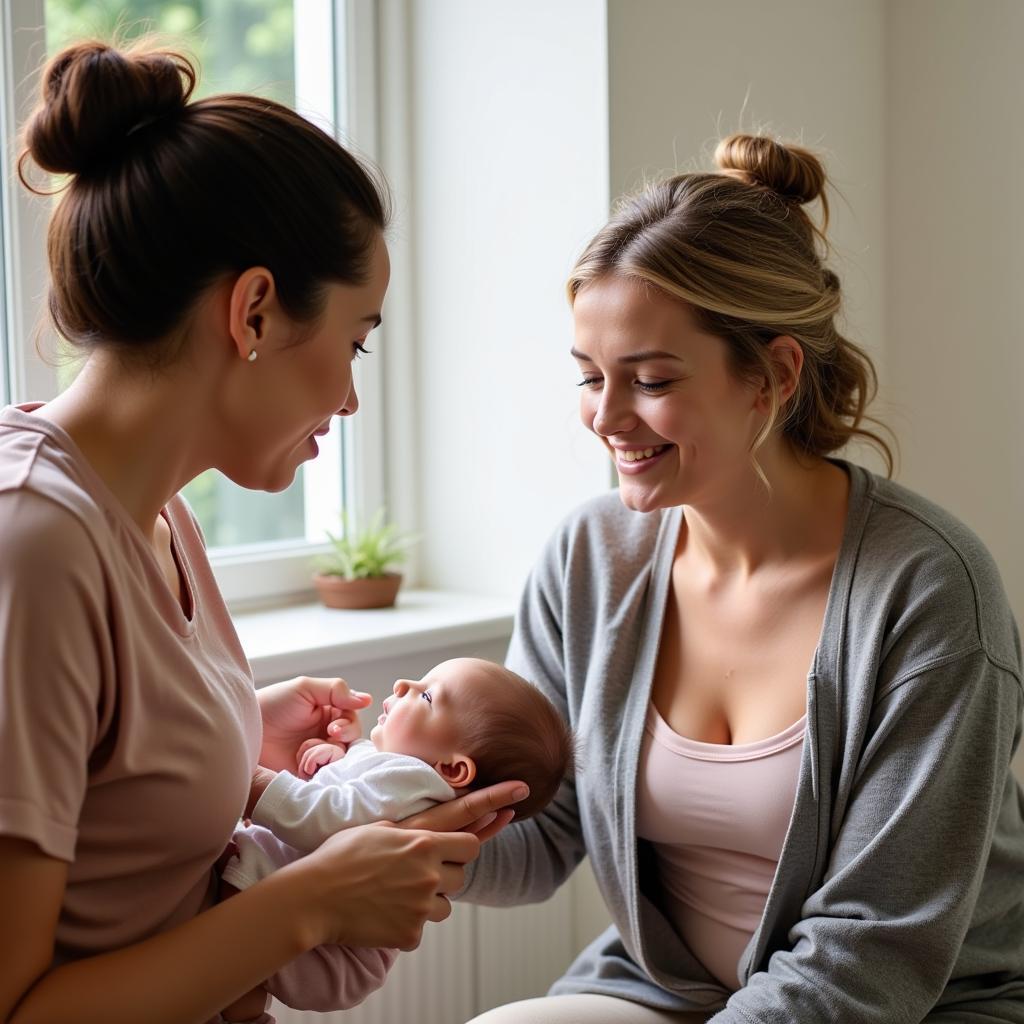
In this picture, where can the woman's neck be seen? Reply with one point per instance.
(747, 528)
(145, 444)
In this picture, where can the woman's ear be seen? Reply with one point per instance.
(252, 303)
(458, 772)
(787, 358)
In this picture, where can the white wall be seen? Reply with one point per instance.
(956, 259)
(509, 179)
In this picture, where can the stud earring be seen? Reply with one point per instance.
(252, 356)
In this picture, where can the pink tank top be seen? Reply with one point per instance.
(717, 817)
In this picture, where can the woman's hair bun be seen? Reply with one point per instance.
(792, 172)
(96, 96)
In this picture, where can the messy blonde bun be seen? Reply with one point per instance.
(789, 171)
(740, 248)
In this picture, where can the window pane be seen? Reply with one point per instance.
(241, 46)
(231, 515)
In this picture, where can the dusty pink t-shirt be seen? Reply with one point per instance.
(128, 730)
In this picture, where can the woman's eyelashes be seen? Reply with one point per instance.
(426, 696)
(360, 348)
(648, 386)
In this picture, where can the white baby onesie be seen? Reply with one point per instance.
(294, 817)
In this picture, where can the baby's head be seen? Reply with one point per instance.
(477, 723)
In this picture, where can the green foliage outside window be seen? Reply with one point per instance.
(241, 45)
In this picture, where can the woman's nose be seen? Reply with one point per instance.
(614, 414)
(351, 402)
(401, 687)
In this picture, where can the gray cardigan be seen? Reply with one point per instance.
(900, 888)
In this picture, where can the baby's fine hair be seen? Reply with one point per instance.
(512, 731)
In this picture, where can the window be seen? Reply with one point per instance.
(305, 53)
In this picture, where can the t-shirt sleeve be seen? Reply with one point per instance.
(53, 643)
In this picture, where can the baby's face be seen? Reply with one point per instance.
(420, 718)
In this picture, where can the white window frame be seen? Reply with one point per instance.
(329, 34)
(23, 37)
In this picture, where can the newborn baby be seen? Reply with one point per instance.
(467, 723)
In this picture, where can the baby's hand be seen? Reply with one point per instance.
(344, 727)
(314, 754)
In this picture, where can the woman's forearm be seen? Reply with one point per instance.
(372, 886)
(182, 976)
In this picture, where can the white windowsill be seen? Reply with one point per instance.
(309, 635)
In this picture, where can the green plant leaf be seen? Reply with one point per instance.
(361, 554)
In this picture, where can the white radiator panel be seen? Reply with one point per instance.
(522, 950)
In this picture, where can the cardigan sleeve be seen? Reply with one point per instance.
(528, 861)
(878, 939)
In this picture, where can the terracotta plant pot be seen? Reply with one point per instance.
(373, 592)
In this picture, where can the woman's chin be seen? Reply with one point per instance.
(642, 499)
(271, 479)
(278, 484)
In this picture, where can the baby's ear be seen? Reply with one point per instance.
(458, 772)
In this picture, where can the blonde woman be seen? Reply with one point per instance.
(797, 684)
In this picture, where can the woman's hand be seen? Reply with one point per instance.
(301, 709)
(484, 812)
(377, 885)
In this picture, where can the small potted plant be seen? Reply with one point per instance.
(355, 574)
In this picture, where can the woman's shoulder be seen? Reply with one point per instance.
(914, 534)
(922, 522)
(931, 573)
(42, 523)
(41, 495)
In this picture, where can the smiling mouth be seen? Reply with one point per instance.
(639, 454)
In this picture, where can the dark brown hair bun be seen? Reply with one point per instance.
(96, 97)
(169, 195)
(790, 171)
